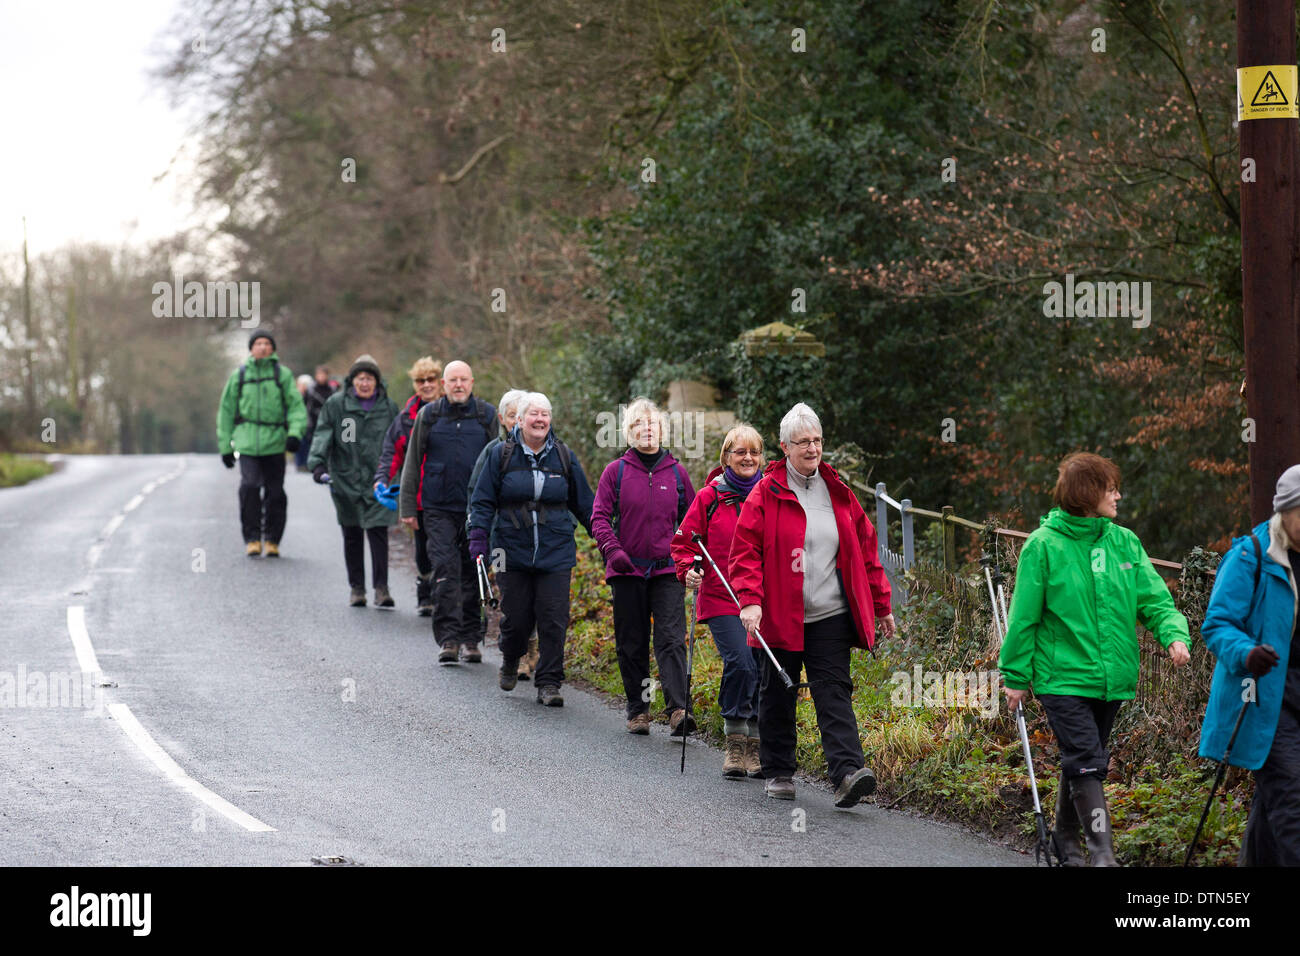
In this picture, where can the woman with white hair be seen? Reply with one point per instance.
(640, 499)
(523, 505)
(805, 568)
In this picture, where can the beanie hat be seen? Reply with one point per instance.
(260, 335)
(365, 363)
(1288, 490)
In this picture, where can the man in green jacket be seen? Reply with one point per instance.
(1082, 585)
(261, 416)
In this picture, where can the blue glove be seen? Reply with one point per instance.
(386, 495)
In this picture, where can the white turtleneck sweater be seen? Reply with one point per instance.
(822, 595)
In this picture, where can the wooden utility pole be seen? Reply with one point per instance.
(1270, 226)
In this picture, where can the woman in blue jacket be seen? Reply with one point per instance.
(1250, 625)
(533, 488)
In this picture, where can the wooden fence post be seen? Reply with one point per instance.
(949, 539)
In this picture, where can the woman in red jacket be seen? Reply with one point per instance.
(713, 515)
(804, 566)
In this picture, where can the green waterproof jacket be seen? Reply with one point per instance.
(1082, 585)
(347, 441)
(269, 410)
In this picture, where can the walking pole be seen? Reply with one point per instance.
(998, 599)
(785, 678)
(698, 567)
(1218, 779)
(485, 593)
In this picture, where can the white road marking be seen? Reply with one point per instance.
(177, 775)
(86, 658)
(94, 552)
(120, 712)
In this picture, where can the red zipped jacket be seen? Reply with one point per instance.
(716, 534)
(768, 541)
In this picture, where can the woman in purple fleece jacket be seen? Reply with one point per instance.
(640, 500)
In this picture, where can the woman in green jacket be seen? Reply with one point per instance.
(1082, 584)
(345, 450)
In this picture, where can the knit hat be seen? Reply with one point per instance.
(1288, 490)
(260, 335)
(365, 363)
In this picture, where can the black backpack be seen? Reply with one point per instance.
(284, 402)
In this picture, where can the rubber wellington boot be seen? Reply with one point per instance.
(1089, 797)
(1067, 838)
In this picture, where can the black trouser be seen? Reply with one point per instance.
(456, 617)
(825, 654)
(536, 599)
(636, 601)
(262, 516)
(1272, 835)
(354, 555)
(422, 562)
(1082, 727)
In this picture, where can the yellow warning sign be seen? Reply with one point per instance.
(1267, 92)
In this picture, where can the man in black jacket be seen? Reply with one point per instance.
(446, 439)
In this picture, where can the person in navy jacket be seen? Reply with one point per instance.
(530, 496)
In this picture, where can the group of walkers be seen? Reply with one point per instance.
(495, 489)
(785, 566)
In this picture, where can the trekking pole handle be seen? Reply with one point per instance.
(699, 543)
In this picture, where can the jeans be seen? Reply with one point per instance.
(741, 667)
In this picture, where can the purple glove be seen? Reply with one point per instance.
(620, 563)
(478, 543)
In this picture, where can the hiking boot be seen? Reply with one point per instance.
(733, 764)
(753, 766)
(680, 723)
(272, 549)
(450, 653)
(528, 663)
(640, 724)
(424, 595)
(549, 696)
(383, 598)
(470, 654)
(780, 788)
(854, 787)
(1089, 797)
(357, 598)
(253, 548)
(1067, 837)
(508, 676)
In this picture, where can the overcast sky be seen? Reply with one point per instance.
(83, 131)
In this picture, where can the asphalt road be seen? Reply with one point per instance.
(327, 730)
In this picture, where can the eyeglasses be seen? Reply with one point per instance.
(425, 381)
(744, 453)
(805, 442)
